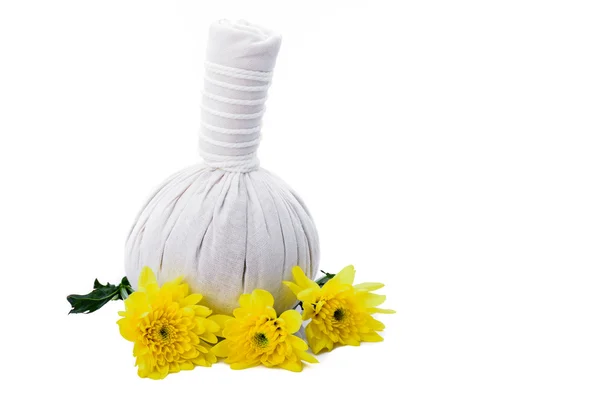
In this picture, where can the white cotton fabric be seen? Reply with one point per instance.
(226, 225)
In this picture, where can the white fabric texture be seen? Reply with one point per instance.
(228, 226)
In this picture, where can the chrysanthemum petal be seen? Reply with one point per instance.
(201, 361)
(220, 320)
(202, 349)
(261, 298)
(244, 365)
(371, 337)
(146, 279)
(127, 329)
(370, 299)
(174, 367)
(317, 341)
(308, 295)
(294, 366)
(304, 356)
(302, 280)
(186, 366)
(298, 343)
(374, 310)
(211, 358)
(211, 326)
(192, 299)
(191, 353)
(245, 300)
(270, 312)
(156, 375)
(293, 287)
(376, 325)
(345, 276)
(351, 341)
(209, 337)
(221, 349)
(163, 371)
(368, 286)
(188, 312)
(202, 311)
(293, 320)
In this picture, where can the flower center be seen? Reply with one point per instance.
(164, 333)
(260, 339)
(339, 314)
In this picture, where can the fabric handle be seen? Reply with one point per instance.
(235, 93)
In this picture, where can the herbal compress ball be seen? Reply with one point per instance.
(226, 225)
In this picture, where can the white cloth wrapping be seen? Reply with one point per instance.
(228, 226)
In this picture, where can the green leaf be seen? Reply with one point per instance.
(97, 298)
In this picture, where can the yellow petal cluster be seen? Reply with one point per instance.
(340, 312)
(169, 329)
(255, 336)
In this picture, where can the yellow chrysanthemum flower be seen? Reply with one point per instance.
(340, 313)
(257, 336)
(170, 331)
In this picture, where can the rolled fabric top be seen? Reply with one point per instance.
(242, 45)
(240, 58)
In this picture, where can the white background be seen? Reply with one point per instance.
(448, 149)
